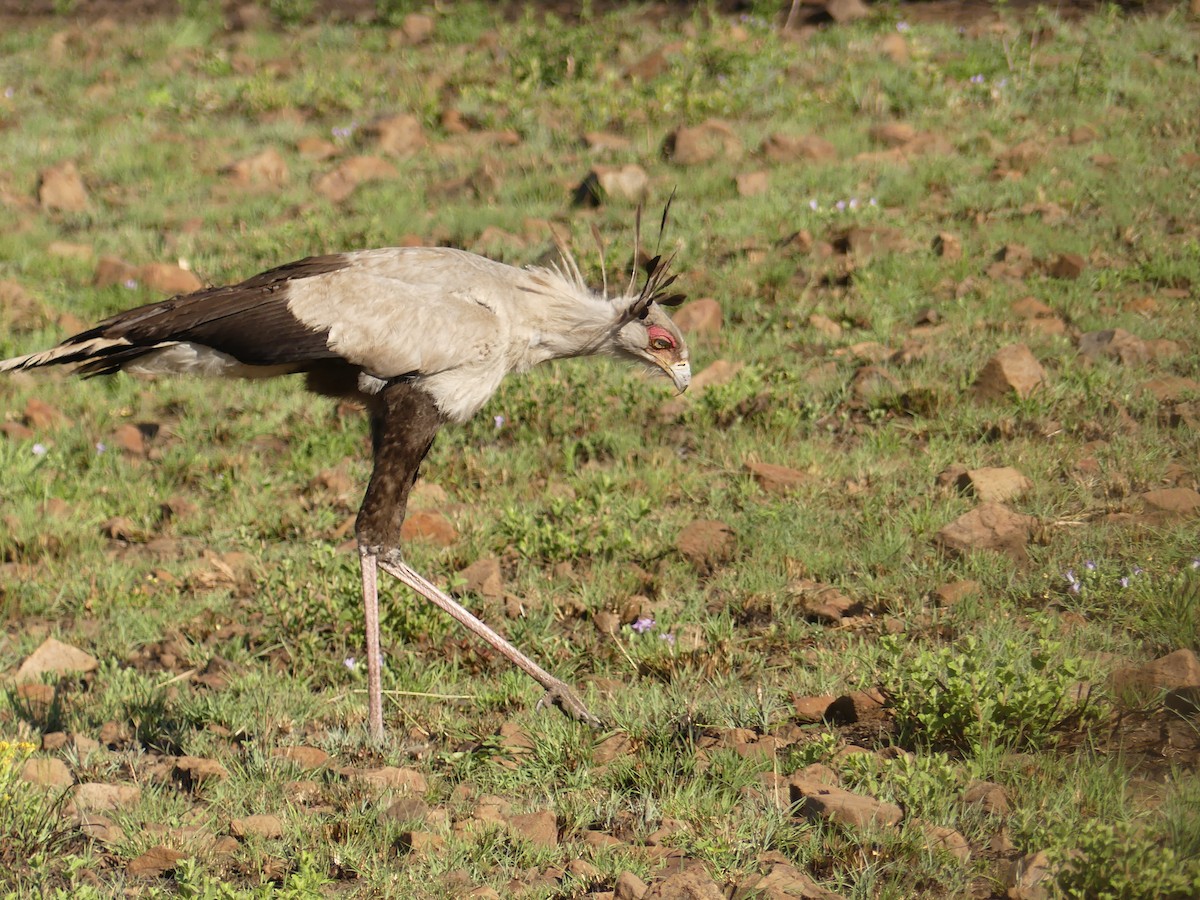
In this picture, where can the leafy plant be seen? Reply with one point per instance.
(1106, 861)
(971, 694)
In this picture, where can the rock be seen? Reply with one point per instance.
(267, 167)
(110, 270)
(94, 796)
(483, 578)
(811, 710)
(406, 809)
(710, 140)
(989, 796)
(776, 479)
(1170, 388)
(606, 621)
(752, 184)
(194, 771)
(722, 371)
(603, 141)
(947, 246)
(341, 182)
(691, 884)
(70, 250)
(706, 544)
(168, 278)
(47, 773)
(653, 63)
(417, 28)
(995, 484)
(1166, 504)
(843, 11)
(784, 881)
(817, 800)
(303, 756)
(1031, 877)
(264, 826)
(1176, 671)
(1031, 308)
(866, 241)
(317, 148)
(825, 326)
(540, 828)
(1013, 369)
(857, 706)
(1067, 265)
(895, 48)
(1114, 343)
(629, 887)
(154, 862)
(785, 148)
(55, 658)
(389, 778)
(400, 135)
(628, 182)
(130, 440)
(946, 840)
(954, 592)
(700, 317)
(430, 526)
(61, 188)
(101, 828)
(990, 526)
(892, 134)
(584, 871)
(612, 747)
(822, 603)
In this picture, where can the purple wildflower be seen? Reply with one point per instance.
(1090, 565)
(101, 446)
(841, 205)
(38, 449)
(814, 205)
(902, 26)
(669, 638)
(853, 203)
(131, 283)
(1124, 582)
(1196, 563)
(643, 624)
(499, 421)
(977, 79)
(350, 663)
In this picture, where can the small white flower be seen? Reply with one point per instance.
(39, 449)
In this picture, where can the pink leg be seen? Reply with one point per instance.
(370, 590)
(557, 692)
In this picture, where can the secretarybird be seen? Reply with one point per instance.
(421, 336)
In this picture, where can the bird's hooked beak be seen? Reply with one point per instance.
(681, 374)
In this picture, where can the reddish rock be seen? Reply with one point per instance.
(710, 140)
(1171, 503)
(154, 862)
(194, 771)
(894, 47)
(1171, 388)
(627, 182)
(822, 602)
(340, 183)
(947, 246)
(389, 778)
(825, 326)
(954, 592)
(400, 135)
(1031, 308)
(785, 148)
(693, 883)
(483, 578)
(721, 371)
(264, 826)
(41, 416)
(817, 800)
(430, 526)
(101, 828)
(939, 838)
(94, 796)
(843, 11)
(47, 773)
(168, 278)
(1114, 343)
(604, 141)
(699, 318)
(857, 706)
(990, 526)
(1067, 265)
(540, 828)
(892, 134)
(61, 188)
(995, 484)
(811, 710)
(302, 756)
(110, 270)
(1013, 369)
(129, 439)
(266, 168)
(612, 747)
(752, 184)
(782, 882)
(987, 795)
(776, 479)
(706, 544)
(654, 63)
(1174, 672)
(56, 658)
(629, 887)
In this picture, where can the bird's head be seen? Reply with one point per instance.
(647, 335)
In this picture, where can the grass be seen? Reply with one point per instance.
(228, 626)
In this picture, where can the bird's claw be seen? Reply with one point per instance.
(566, 700)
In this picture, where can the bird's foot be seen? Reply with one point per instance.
(560, 695)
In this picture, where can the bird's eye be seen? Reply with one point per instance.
(661, 344)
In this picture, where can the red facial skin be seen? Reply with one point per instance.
(657, 332)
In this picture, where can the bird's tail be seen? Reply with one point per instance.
(70, 351)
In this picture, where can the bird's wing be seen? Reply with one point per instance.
(394, 311)
(409, 311)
